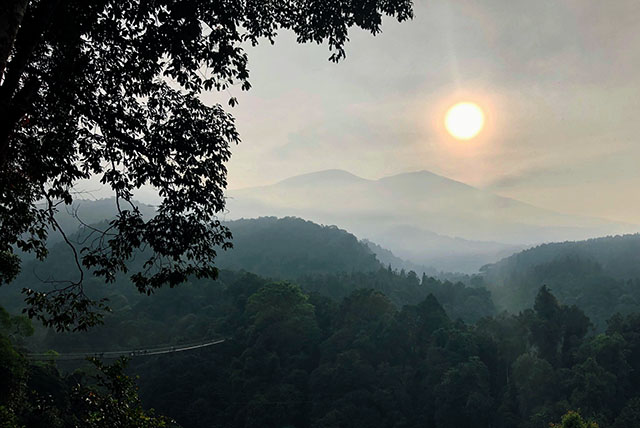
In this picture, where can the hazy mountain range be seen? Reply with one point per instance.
(430, 222)
(423, 217)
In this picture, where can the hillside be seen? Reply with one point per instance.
(387, 258)
(617, 256)
(284, 248)
(321, 259)
(601, 276)
(403, 212)
(290, 247)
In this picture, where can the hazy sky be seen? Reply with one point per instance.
(559, 82)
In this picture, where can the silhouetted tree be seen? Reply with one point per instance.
(112, 88)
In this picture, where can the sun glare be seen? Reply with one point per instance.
(464, 120)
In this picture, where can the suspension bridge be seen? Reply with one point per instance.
(144, 352)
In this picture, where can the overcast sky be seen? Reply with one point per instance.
(559, 82)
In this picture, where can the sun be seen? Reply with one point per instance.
(464, 120)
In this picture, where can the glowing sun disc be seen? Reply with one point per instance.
(464, 120)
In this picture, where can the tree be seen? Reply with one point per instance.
(13, 372)
(41, 397)
(556, 330)
(463, 398)
(594, 389)
(111, 88)
(113, 401)
(573, 420)
(630, 415)
(282, 319)
(535, 382)
(417, 323)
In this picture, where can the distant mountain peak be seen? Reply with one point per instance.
(343, 175)
(419, 173)
(424, 175)
(396, 211)
(324, 176)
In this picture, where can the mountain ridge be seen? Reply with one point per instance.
(333, 174)
(426, 202)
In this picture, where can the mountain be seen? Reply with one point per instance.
(321, 259)
(401, 212)
(290, 247)
(617, 256)
(601, 276)
(387, 258)
(285, 248)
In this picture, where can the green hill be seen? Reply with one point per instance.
(290, 247)
(601, 276)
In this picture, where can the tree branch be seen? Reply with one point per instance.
(27, 37)
(11, 16)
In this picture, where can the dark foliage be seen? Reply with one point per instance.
(306, 360)
(37, 395)
(112, 88)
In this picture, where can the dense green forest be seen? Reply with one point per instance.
(618, 256)
(290, 247)
(601, 276)
(324, 335)
(323, 259)
(305, 360)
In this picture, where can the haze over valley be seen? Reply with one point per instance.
(420, 216)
